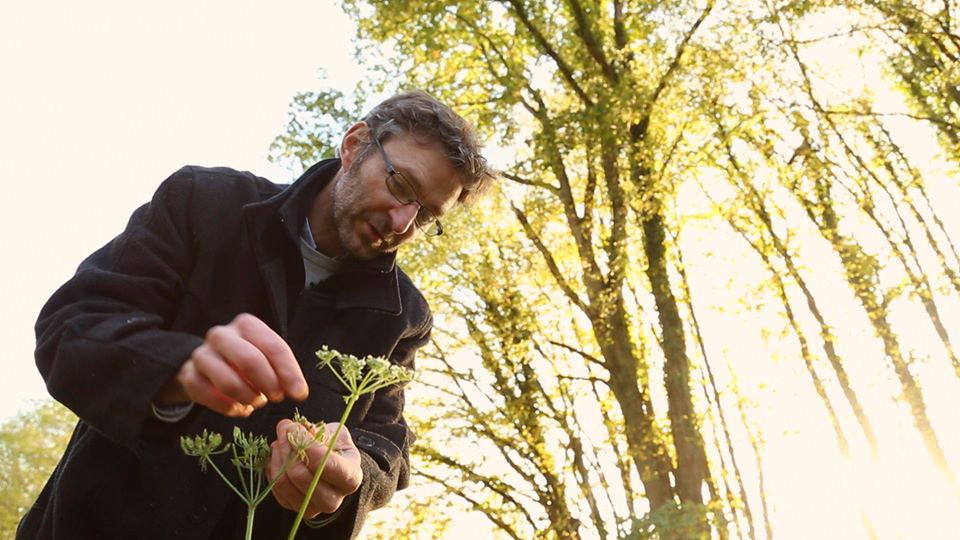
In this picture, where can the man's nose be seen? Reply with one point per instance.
(402, 216)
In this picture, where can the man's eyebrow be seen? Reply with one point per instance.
(415, 182)
(417, 185)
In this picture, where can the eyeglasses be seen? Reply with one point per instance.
(403, 191)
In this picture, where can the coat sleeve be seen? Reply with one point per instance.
(104, 347)
(384, 440)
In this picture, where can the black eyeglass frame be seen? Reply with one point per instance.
(425, 219)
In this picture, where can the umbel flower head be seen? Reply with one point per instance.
(254, 450)
(362, 375)
(203, 446)
(300, 441)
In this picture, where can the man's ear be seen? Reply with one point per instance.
(353, 141)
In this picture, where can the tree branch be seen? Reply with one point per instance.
(477, 505)
(619, 28)
(532, 183)
(585, 355)
(496, 485)
(641, 126)
(547, 49)
(591, 42)
(548, 258)
(850, 112)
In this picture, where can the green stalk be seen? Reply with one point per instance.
(283, 469)
(352, 399)
(251, 511)
(224, 478)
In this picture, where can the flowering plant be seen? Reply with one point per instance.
(360, 376)
(250, 454)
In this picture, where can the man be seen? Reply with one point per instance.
(205, 314)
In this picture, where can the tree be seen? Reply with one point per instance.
(597, 139)
(31, 444)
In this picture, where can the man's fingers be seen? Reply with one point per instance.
(342, 471)
(281, 489)
(277, 352)
(286, 490)
(237, 367)
(248, 361)
(326, 498)
(224, 377)
(291, 489)
(341, 475)
(200, 390)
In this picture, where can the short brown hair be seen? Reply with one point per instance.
(420, 114)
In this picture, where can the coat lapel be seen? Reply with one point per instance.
(275, 278)
(269, 255)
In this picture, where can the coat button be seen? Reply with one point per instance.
(198, 514)
(365, 442)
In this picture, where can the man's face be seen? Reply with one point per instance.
(369, 219)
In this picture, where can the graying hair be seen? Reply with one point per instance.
(420, 114)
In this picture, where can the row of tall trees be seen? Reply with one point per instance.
(575, 387)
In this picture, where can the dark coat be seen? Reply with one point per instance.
(211, 244)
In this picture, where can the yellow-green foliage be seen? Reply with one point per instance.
(31, 444)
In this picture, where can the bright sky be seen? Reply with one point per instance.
(102, 100)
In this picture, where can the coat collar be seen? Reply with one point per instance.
(274, 225)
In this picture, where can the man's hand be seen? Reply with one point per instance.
(237, 369)
(341, 475)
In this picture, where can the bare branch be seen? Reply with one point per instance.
(477, 505)
(584, 379)
(585, 355)
(549, 259)
(846, 33)
(851, 112)
(532, 183)
(470, 473)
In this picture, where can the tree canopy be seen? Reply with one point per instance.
(717, 222)
(31, 444)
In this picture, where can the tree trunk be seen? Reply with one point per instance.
(692, 468)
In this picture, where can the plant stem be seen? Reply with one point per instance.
(323, 462)
(251, 511)
(262, 494)
(224, 478)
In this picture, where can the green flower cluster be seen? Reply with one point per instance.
(250, 454)
(362, 375)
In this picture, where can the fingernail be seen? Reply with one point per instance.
(301, 391)
(259, 401)
(241, 410)
(276, 397)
